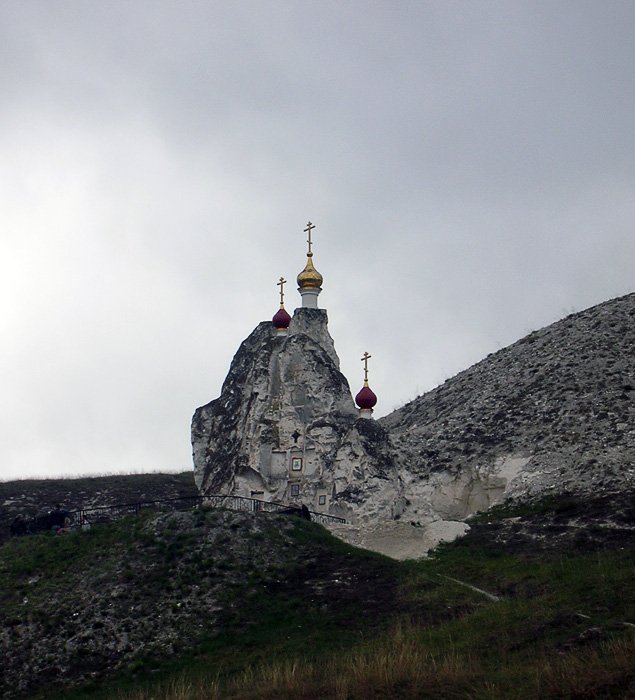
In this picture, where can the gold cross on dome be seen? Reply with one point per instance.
(365, 361)
(308, 229)
(281, 285)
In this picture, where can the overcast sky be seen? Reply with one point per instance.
(470, 168)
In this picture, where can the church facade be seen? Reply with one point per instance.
(285, 427)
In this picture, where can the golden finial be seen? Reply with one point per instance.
(365, 361)
(281, 285)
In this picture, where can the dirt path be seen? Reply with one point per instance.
(399, 540)
(488, 595)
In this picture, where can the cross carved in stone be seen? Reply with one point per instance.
(365, 361)
(307, 230)
(281, 285)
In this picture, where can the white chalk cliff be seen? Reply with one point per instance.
(285, 428)
(552, 413)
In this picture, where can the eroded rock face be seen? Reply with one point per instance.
(285, 428)
(554, 412)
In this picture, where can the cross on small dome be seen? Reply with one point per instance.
(366, 398)
(281, 319)
(309, 280)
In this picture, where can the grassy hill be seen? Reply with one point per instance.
(536, 602)
(33, 497)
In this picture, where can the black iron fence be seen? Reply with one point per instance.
(99, 514)
(238, 503)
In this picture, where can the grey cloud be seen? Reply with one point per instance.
(470, 169)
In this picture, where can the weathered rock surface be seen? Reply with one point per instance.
(285, 428)
(554, 412)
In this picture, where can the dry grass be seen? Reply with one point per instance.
(395, 666)
(179, 689)
(400, 666)
(607, 671)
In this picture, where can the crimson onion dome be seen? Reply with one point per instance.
(281, 319)
(366, 397)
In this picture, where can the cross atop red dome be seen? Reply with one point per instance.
(281, 318)
(366, 398)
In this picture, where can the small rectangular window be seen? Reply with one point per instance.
(296, 464)
(295, 489)
(321, 500)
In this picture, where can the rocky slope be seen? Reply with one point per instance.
(132, 594)
(557, 524)
(554, 412)
(33, 497)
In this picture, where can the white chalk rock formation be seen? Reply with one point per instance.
(554, 412)
(285, 428)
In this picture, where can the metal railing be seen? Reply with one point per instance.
(100, 514)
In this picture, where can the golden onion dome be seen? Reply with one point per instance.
(309, 278)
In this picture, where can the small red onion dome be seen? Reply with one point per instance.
(366, 397)
(281, 320)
